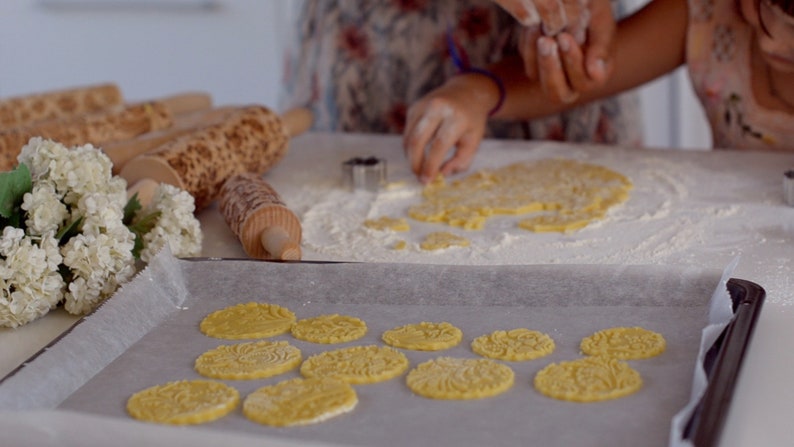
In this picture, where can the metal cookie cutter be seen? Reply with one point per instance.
(367, 173)
(788, 187)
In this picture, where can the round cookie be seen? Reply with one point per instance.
(183, 402)
(625, 343)
(300, 401)
(329, 329)
(513, 345)
(243, 361)
(249, 320)
(457, 378)
(357, 364)
(424, 336)
(589, 379)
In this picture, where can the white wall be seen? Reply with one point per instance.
(228, 48)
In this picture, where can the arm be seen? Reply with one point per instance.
(649, 44)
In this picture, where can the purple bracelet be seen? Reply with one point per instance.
(460, 59)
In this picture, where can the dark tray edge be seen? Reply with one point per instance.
(723, 363)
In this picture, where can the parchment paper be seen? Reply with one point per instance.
(148, 334)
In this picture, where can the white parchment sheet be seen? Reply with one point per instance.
(147, 334)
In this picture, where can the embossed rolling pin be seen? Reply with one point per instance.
(262, 222)
(56, 104)
(251, 139)
(96, 128)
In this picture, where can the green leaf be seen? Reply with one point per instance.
(132, 207)
(13, 186)
(70, 230)
(140, 227)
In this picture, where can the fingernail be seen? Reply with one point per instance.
(598, 68)
(546, 46)
(564, 44)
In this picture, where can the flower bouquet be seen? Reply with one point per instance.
(71, 236)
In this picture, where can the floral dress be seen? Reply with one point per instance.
(719, 60)
(359, 64)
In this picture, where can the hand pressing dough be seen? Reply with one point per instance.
(357, 364)
(300, 402)
(589, 379)
(424, 336)
(329, 329)
(514, 345)
(442, 239)
(250, 320)
(625, 343)
(568, 194)
(243, 361)
(457, 378)
(183, 402)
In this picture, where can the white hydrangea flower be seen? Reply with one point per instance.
(177, 225)
(30, 283)
(39, 156)
(100, 212)
(45, 211)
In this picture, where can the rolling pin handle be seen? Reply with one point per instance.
(276, 241)
(145, 189)
(297, 120)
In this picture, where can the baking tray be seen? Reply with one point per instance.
(137, 339)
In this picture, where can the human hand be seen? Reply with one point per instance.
(451, 118)
(571, 52)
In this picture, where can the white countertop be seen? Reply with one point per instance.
(688, 207)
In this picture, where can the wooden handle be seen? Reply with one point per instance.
(120, 152)
(279, 244)
(145, 190)
(188, 102)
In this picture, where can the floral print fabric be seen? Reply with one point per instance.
(359, 64)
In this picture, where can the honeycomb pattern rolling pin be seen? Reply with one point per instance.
(259, 218)
(251, 139)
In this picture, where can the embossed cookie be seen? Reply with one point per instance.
(183, 402)
(329, 329)
(357, 364)
(514, 345)
(300, 402)
(589, 379)
(625, 343)
(457, 378)
(254, 360)
(424, 336)
(249, 320)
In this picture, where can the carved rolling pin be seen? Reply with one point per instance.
(264, 225)
(56, 104)
(252, 139)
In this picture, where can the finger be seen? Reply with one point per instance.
(600, 41)
(524, 11)
(464, 155)
(421, 126)
(443, 141)
(572, 58)
(527, 48)
(552, 14)
(550, 69)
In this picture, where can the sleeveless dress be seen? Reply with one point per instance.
(359, 64)
(719, 49)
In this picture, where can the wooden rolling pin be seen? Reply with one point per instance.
(265, 226)
(251, 139)
(97, 129)
(120, 152)
(56, 104)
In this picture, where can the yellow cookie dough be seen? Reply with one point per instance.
(249, 320)
(183, 402)
(357, 364)
(384, 223)
(515, 345)
(568, 194)
(254, 360)
(625, 343)
(441, 239)
(456, 378)
(300, 402)
(588, 379)
(329, 329)
(424, 336)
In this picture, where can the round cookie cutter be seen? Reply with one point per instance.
(788, 187)
(367, 173)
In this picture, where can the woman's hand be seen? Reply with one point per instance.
(444, 128)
